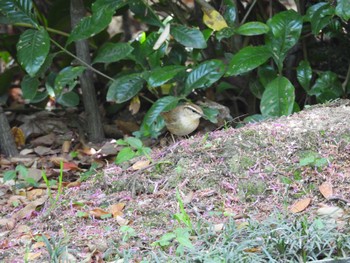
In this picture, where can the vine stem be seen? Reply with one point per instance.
(248, 12)
(81, 61)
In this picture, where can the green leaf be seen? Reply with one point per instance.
(124, 88)
(189, 37)
(108, 5)
(19, 11)
(160, 76)
(278, 98)
(285, 30)
(67, 77)
(9, 175)
(145, 13)
(164, 104)
(252, 29)
(164, 240)
(304, 74)
(33, 47)
(91, 25)
(68, 99)
(248, 58)
(327, 87)
(204, 75)
(29, 87)
(343, 9)
(319, 15)
(183, 237)
(125, 155)
(39, 96)
(134, 142)
(112, 52)
(225, 33)
(230, 14)
(266, 74)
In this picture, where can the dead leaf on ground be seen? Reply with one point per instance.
(326, 190)
(8, 223)
(141, 164)
(98, 213)
(334, 212)
(56, 160)
(30, 208)
(48, 140)
(116, 209)
(39, 245)
(43, 150)
(122, 221)
(32, 256)
(300, 205)
(34, 194)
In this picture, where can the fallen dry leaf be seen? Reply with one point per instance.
(34, 194)
(98, 213)
(141, 164)
(333, 212)
(326, 190)
(38, 245)
(122, 221)
(31, 207)
(300, 205)
(116, 209)
(56, 160)
(32, 256)
(8, 223)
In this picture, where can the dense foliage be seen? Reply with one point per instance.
(243, 56)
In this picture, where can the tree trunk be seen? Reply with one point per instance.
(7, 143)
(93, 117)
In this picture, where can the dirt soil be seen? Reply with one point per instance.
(247, 172)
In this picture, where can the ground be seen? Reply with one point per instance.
(240, 174)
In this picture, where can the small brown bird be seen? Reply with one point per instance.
(183, 120)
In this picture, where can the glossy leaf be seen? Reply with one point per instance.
(29, 87)
(252, 29)
(327, 87)
(266, 74)
(67, 77)
(164, 104)
(145, 13)
(225, 33)
(230, 14)
(160, 76)
(278, 98)
(304, 74)
(248, 58)
(343, 9)
(33, 47)
(91, 25)
(68, 99)
(18, 11)
(319, 15)
(108, 5)
(204, 75)
(189, 37)
(285, 30)
(124, 88)
(112, 52)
